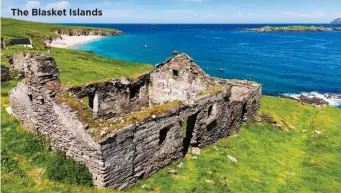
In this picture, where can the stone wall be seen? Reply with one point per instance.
(138, 150)
(33, 102)
(115, 97)
(179, 78)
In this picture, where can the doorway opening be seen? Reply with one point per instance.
(189, 128)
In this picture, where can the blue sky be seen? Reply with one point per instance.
(187, 11)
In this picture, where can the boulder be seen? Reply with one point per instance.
(313, 101)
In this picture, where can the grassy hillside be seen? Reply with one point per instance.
(38, 32)
(75, 67)
(78, 67)
(13, 28)
(73, 64)
(291, 159)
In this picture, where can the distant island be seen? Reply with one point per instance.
(293, 29)
(336, 21)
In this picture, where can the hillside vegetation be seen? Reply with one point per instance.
(73, 64)
(39, 32)
(79, 67)
(269, 159)
(13, 28)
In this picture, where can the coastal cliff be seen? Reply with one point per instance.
(70, 37)
(89, 31)
(42, 33)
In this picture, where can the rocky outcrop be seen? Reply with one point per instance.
(5, 75)
(313, 101)
(336, 21)
(81, 32)
(87, 31)
(133, 131)
(310, 100)
(316, 99)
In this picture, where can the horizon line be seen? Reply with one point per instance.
(176, 23)
(182, 23)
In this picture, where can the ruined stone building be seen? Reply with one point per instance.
(128, 128)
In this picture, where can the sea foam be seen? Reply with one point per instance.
(332, 98)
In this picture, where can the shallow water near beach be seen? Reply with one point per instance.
(283, 62)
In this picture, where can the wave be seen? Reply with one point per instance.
(332, 98)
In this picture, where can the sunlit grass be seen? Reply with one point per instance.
(269, 159)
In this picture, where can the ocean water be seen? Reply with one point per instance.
(283, 62)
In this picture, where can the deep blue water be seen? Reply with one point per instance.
(284, 62)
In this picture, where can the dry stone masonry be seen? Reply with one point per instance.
(5, 73)
(206, 109)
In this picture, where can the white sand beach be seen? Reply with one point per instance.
(67, 41)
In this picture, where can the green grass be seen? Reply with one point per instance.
(75, 67)
(79, 67)
(269, 159)
(13, 28)
(38, 32)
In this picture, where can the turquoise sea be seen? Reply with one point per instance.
(288, 63)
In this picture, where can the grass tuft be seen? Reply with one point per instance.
(211, 90)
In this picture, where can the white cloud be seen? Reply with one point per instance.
(58, 5)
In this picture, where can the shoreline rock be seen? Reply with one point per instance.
(314, 101)
(88, 34)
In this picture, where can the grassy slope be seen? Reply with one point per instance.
(13, 28)
(269, 159)
(79, 67)
(73, 64)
